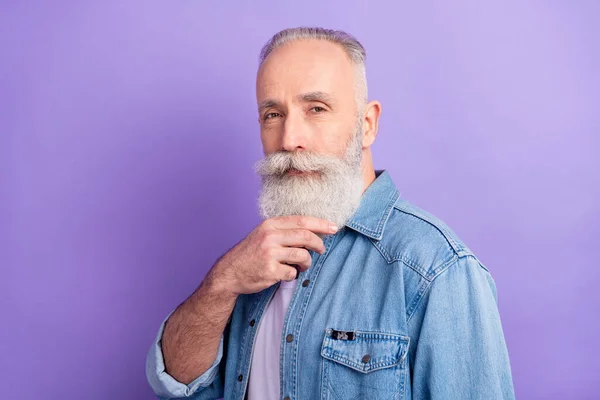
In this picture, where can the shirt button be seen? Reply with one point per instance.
(240, 378)
(305, 283)
(252, 323)
(286, 398)
(289, 338)
(366, 358)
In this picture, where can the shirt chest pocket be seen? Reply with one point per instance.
(363, 365)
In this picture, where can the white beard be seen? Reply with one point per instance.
(333, 193)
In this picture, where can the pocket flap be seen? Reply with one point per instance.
(365, 351)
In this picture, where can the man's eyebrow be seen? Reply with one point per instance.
(267, 104)
(316, 96)
(304, 97)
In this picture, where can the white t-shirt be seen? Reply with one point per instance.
(263, 381)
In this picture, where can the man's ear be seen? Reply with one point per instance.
(371, 122)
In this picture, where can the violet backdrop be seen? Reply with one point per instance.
(128, 132)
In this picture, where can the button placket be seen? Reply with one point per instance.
(305, 283)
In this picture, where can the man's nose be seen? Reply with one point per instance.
(294, 137)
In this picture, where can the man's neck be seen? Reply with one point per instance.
(369, 177)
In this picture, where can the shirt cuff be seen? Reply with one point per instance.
(164, 384)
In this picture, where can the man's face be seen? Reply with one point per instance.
(311, 132)
(306, 98)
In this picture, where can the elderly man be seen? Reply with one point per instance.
(345, 290)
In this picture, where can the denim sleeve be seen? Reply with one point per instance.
(209, 385)
(460, 351)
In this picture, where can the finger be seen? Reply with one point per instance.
(301, 238)
(313, 224)
(294, 255)
(288, 273)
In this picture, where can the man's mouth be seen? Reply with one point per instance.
(298, 172)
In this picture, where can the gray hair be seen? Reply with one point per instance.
(354, 50)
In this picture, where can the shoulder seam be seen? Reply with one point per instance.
(457, 248)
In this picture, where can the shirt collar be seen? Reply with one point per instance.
(376, 204)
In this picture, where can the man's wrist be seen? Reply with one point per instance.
(216, 284)
(210, 296)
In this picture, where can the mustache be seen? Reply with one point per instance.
(280, 162)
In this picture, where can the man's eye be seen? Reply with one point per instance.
(318, 109)
(271, 115)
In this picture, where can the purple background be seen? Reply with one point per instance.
(128, 132)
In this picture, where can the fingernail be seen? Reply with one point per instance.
(333, 228)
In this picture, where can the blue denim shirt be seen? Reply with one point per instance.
(396, 308)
